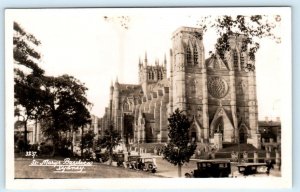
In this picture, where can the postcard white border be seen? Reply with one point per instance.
(285, 181)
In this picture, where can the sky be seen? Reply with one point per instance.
(81, 43)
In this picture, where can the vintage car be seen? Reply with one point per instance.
(102, 156)
(211, 168)
(146, 164)
(132, 161)
(119, 158)
(246, 169)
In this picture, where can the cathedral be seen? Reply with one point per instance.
(218, 95)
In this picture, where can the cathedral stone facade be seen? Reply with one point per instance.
(218, 95)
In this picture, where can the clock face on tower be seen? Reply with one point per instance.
(217, 87)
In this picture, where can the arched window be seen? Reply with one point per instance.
(151, 75)
(188, 56)
(159, 75)
(126, 107)
(242, 60)
(195, 55)
(193, 86)
(235, 59)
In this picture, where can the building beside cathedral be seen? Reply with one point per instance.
(219, 95)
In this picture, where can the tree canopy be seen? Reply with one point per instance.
(27, 76)
(60, 102)
(110, 140)
(253, 27)
(180, 147)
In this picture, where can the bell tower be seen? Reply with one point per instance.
(151, 74)
(188, 77)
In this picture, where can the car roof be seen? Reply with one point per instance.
(251, 164)
(214, 161)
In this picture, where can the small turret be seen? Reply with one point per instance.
(145, 61)
(111, 89)
(140, 62)
(156, 62)
(165, 61)
(116, 88)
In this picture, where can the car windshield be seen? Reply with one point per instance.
(133, 158)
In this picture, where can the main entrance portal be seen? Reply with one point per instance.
(242, 135)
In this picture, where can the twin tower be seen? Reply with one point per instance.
(218, 94)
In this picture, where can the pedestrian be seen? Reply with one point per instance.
(269, 166)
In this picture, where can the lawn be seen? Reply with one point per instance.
(97, 170)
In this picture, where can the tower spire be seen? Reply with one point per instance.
(156, 61)
(165, 61)
(140, 63)
(145, 61)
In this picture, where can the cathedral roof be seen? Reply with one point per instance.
(269, 123)
(161, 84)
(130, 89)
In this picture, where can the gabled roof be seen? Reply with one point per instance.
(130, 89)
(216, 63)
(161, 84)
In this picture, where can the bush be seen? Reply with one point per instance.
(46, 149)
(33, 147)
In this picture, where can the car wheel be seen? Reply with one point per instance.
(187, 175)
(150, 166)
(142, 166)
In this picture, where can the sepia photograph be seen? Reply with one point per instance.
(165, 97)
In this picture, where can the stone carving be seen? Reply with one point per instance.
(192, 86)
(242, 87)
(217, 87)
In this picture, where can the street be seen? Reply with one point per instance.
(167, 169)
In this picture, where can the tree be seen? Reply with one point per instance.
(60, 102)
(110, 140)
(253, 28)
(180, 147)
(87, 140)
(128, 129)
(66, 106)
(27, 76)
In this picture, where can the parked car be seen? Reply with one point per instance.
(102, 157)
(119, 158)
(246, 169)
(211, 168)
(147, 164)
(132, 161)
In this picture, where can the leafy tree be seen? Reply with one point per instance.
(66, 106)
(253, 27)
(180, 147)
(60, 103)
(87, 140)
(110, 140)
(27, 76)
(24, 50)
(128, 129)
